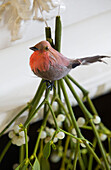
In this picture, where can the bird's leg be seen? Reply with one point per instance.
(49, 84)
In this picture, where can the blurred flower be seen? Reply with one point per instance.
(70, 153)
(17, 136)
(15, 166)
(55, 157)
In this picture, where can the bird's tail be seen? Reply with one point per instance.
(88, 60)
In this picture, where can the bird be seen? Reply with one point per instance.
(51, 65)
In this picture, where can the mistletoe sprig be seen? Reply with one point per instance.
(63, 126)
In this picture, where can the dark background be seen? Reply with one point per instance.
(103, 106)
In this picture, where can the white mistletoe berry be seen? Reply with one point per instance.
(60, 135)
(80, 121)
(103, 137)
(55, 139)
(96, 119)
(74, 131)
(60, 118)
(43, 135)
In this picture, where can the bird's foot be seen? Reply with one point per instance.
(49, 84)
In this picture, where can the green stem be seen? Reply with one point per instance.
(64, 109)
(5, 150)
(48, 32)
(69, 134)
(80, 160)
(41, 150)
(38, 138)
(70, 110)
(42, 127)
(90, 164)
(84, 91)
(100, 144)
(86, 127)
(76, 155)
(48, 35)
(109, 146)
(65, 152)
(31, 117)
(36, 98)
(59, 90)
(21, 154)
(93, 109)
(88, 116)
(86, 112)
(45, 106)
(24, 109)
(54, 118)
(26, 143)
(81, 105)
(58, 28)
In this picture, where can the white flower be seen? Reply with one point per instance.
(103, 137)
(96, 119)
(22, 134)
(80, 121)
(17, 136)
(60, 135)
(43, 134)
(15, 166)
(16, 129)
(60, 118)
(11, 134)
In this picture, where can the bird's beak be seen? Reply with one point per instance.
(34, 48)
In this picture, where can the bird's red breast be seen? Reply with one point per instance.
(39, 61)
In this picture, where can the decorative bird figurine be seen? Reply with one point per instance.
(51, 65)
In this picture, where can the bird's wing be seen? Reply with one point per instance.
(58, 58)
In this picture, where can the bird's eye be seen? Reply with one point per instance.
(46, 47)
